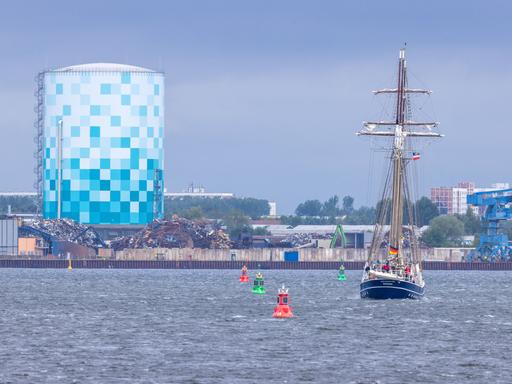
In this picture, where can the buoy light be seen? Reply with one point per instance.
(282, 310)
(244, 277)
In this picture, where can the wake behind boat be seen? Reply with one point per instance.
(393, 268)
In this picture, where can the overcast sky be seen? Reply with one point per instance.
(263, 97)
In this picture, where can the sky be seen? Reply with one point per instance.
(263, 97)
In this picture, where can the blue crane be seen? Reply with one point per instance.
(494, 246)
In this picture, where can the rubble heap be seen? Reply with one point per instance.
(176, 233)
(69, 230)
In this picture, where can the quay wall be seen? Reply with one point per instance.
(276, 254)
(236, 265)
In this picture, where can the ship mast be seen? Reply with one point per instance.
(399, 130)
(397, 158)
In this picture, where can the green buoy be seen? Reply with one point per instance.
(259, 287)
(341, 273)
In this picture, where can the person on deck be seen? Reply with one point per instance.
(408, 272)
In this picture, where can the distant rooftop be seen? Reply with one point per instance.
(200, 194)
(103, 67)
(198, 191)
(166, 194)
(6, 194)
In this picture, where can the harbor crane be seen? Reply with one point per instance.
(494, 246)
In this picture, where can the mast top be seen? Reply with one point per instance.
(402, 91)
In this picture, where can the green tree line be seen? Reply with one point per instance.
(331, 212)
(449, 230)
(193, 207)
(235, 213)
(18, 204)
(443, 231)
(215, 208)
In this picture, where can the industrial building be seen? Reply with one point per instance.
(99, 155)
(356, 236)
(453, 200)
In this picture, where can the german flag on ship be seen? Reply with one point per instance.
(393, 250)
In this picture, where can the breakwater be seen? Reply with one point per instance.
(225, 264)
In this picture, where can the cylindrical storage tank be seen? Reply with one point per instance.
(103, 153)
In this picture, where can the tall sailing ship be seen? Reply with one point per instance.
(393, 269)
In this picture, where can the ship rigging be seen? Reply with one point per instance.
(393, 269)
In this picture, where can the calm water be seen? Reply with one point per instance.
(185, 326)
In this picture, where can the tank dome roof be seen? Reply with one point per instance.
(103, 67)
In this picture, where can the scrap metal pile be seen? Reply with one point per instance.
(66, 229)
(176, 233)
(302, 239)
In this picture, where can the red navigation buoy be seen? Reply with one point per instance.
(282, 310)
(244, 277)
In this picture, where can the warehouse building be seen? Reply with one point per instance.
(356, 236)
(99, 155)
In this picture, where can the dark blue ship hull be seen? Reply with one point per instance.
(391, 289)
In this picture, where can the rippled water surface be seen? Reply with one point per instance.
(196, 326)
